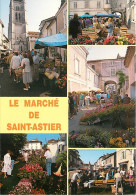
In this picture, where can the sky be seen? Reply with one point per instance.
(92, 156)
(37, 10)
(105, 52)
(42, 137)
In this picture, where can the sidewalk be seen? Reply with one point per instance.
(9, 88)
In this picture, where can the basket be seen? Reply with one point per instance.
(18, 72)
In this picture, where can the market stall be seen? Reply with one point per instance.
(54, 71)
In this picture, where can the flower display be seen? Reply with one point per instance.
(62, 82)
(38, 191)
(103, 113)
(24, 187)
(117, 142)
(112, 40)
(31, 170)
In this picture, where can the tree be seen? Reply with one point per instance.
(12, 142)
(122, 78)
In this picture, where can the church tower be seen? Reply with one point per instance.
(17, 28)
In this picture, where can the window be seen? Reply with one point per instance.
(16, 17)
(98, 4)
(76, 66)
(113, 72)
(93, 67)
(107, 1)
(123, 155)
(75, 5)
(86, 4)
(19, 17)
(17, 8)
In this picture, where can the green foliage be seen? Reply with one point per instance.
(85, 141)
(122, 78)
(12, 142)
(62, 159)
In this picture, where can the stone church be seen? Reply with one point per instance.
(17, 28)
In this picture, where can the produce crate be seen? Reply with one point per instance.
(113, 189)
(123, 30)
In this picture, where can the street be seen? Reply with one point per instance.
(9, 88)
(74, 124)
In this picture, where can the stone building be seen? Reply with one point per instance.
(125, 158)
(107, 69)
(120, 7)
(17, 28)
(89, 6)
(131, 14)
(56, 147)
(34, 144)
(75, 161)
(31, 38)
(82, 77)
(52, 26)
(130, 60)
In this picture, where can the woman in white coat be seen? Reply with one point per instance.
(7, 164)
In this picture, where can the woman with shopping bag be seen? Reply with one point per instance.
(7, 164)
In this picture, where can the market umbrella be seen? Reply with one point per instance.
(86, 16)
(102, 15)
(57, 40)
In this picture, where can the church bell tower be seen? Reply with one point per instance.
(17, 28)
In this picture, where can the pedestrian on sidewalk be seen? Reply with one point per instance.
(81, 102)
(27, 76)
(15, 63)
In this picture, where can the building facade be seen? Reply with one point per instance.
(1, 36)
(17, 28)
(31, 38)
(107, 70)
(77, 69)
(125, 158)
(53, 25)
(131, 14)
(56, 147)
(34, 144)
(74, 160)
(130, 60)
(89, 6)
(119, 6)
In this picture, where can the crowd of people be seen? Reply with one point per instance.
(79, 178)
(104, 24)
(23, 64)
(8, 164)
(77, 101)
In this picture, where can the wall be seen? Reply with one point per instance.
(90, 8)
(128, 159)
(77, 81)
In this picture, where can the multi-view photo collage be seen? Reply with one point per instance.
(67, 97)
